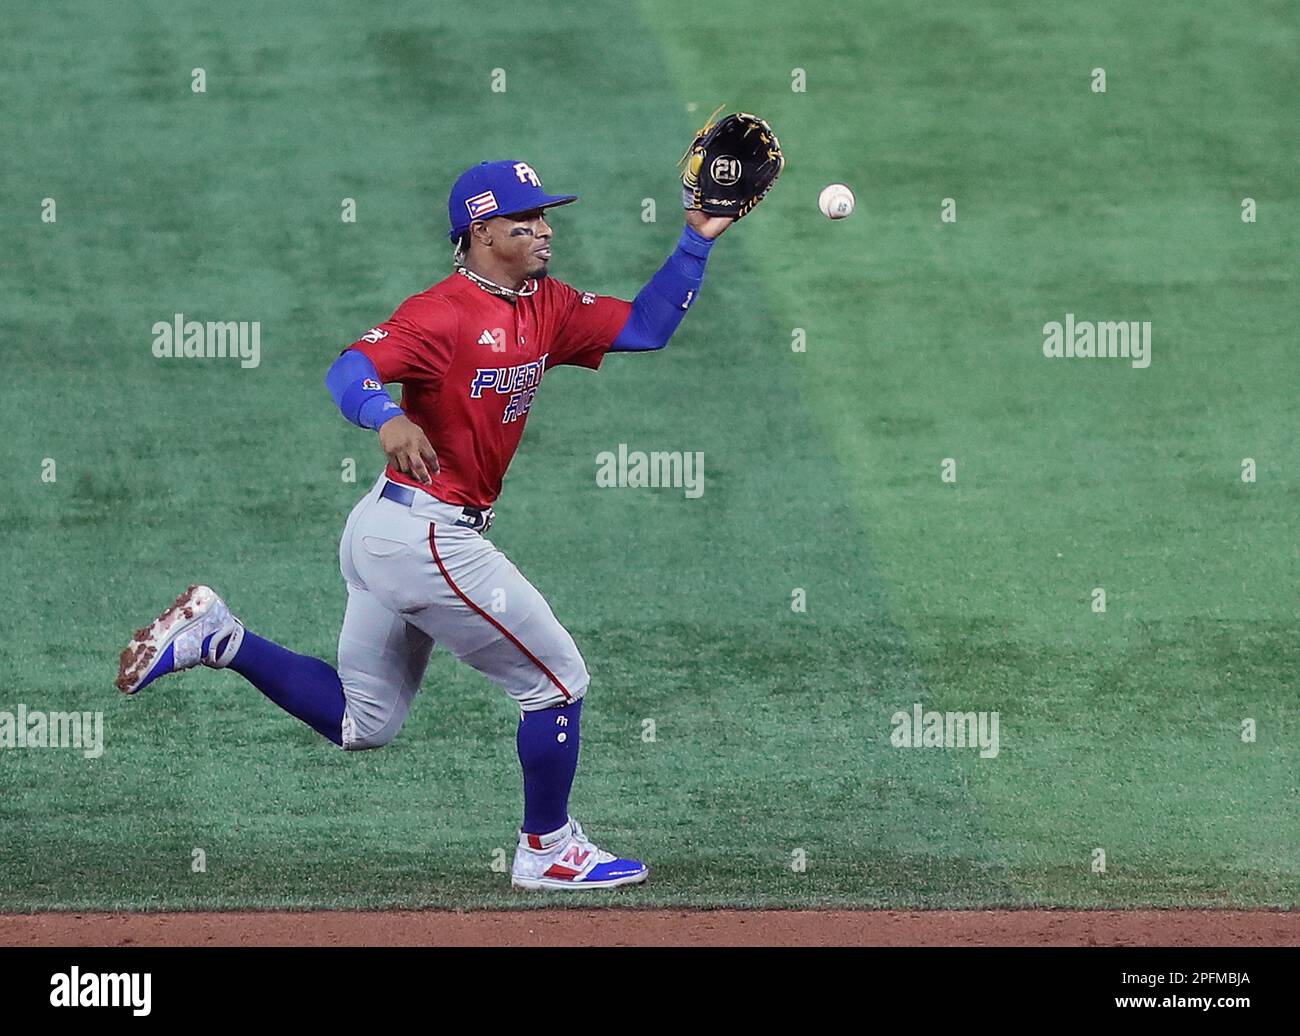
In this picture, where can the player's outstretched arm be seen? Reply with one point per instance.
(726, 171)
(659, 307)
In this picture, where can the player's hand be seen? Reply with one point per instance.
(408, 448)
(705, 225)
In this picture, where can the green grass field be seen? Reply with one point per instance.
(1119, 731)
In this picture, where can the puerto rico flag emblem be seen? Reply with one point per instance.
(481, 204)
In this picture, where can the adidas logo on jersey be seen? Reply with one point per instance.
(496, 339)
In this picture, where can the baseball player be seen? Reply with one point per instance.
(469, 353)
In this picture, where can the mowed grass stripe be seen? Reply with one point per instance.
(795, 267)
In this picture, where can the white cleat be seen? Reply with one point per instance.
(566, 859)
(197, 629)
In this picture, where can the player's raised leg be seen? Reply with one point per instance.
(381, 657)
(199, 629)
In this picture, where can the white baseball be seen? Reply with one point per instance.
(836, 201)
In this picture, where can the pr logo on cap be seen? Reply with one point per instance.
(481, 204)
(526, 174)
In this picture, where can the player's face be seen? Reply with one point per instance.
(526, 243)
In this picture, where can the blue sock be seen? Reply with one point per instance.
(304, 687)
(548, 751)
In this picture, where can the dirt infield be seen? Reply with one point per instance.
(662, 928)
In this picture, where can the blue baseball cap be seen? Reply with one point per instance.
(497, 189)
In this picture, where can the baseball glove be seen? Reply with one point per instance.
(730, 165)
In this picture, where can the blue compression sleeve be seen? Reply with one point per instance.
(360, 395)
(661, 304)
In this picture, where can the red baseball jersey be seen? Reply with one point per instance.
(469, 363)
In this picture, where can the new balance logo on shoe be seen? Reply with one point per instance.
(575, 855)
(571, 862)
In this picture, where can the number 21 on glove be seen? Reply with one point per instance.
(730, 165)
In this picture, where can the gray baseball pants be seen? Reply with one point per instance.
(416, 579)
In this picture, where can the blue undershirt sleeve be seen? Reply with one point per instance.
(661, 304)
(360, 396)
